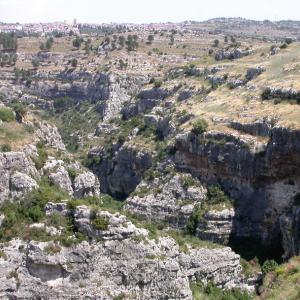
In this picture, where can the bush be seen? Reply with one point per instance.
(74, 63)
(194, 220)
(157, 84)
(100, 223)
(5, 148)
(212, 292)
(6, 115)
(200, 126)
(284, 46)
(216, 196)
(269, 266)
(20, 111)
(43, 156)
(35, 213)
(35, 63)
(72, 173)
(189, 181)
(288, 41)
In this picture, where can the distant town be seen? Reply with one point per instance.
(212, 26)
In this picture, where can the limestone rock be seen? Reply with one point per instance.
(167, 200)
(86, 184)
(20, 184)
(126, 262)
(254, 72)
(232, 54)
(12, 162)
(50, 136)
(217, 226)
(61, 179)
(261, 175)
(57, 208)
(120, 174)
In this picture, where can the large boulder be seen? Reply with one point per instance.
(86, 184)
(61, 179)
(10, 163)
(21, 184)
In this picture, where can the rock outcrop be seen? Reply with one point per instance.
(61, 179)
(109, 90)
(121, 173)
(125, 263)
(21, 184)
(290, 229)
(281, 93)
(169, 200)
(263, 177)
(216, 226)
(232, 54)
(146, 100)
(86, 184)
(12, 183)
(50, 136)
(255, 72)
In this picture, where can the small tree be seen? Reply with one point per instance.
(288, 41)
(42, 47)
(49, 43)
(200, 126)
(269, 266)
(20, 111)
(77, 42)
(121, 41)
(35, 63)
(150, 39)
(74, 62)
(216, 43)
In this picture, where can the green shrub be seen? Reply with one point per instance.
(189, 181)
(157, 83)
(200, 126)
(288, 41)
(284, 46)
(72, 173)
(110, 204)
(5, 148)
(6, 115)
(100, 223)
(269, 266)
(194, 220)
(43, 156)
(216, 196)
(35, 213)
(212, 292)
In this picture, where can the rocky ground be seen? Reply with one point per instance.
(166, 172)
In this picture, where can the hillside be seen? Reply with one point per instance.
(151, 163)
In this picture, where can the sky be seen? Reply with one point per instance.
(145, 11)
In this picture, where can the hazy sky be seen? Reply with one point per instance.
(142, 11)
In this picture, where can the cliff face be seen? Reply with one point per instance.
(264, 178)
(127, 262)
(120, 173)
(109, 89)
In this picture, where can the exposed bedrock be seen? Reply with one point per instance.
(125, 262)
(264, 177)
(109, 90)
(119, 173)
